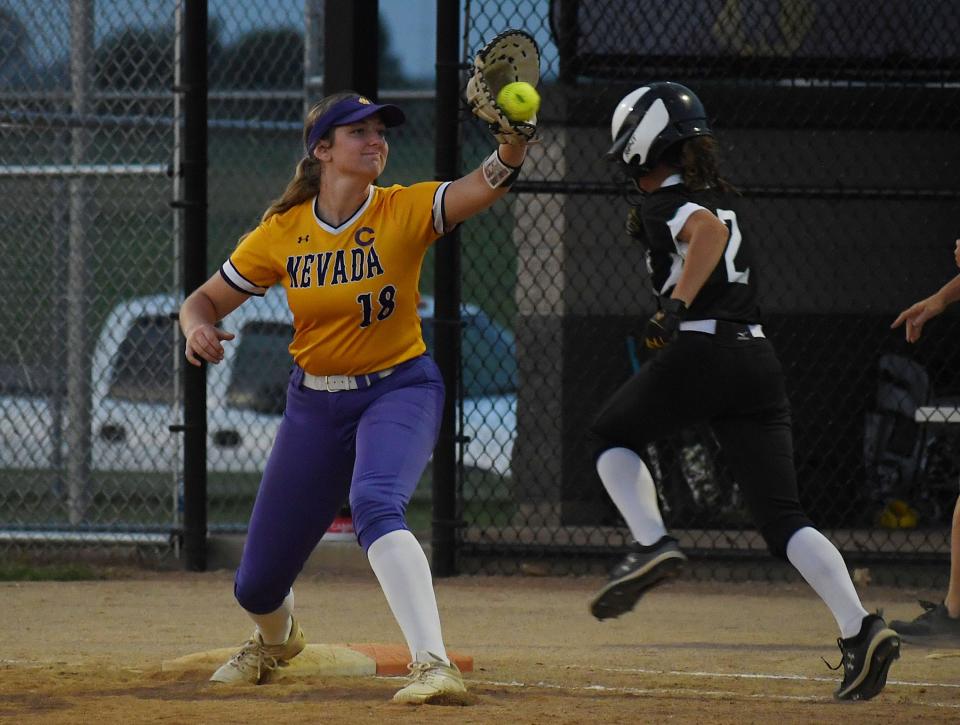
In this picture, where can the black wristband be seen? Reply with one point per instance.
(673, 306)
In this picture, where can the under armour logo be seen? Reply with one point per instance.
(304, 239)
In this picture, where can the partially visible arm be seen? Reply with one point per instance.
(917, 314)
(471, 194)
(199, 313)
(706, 236)
(920, 312)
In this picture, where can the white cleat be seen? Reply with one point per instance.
(433, 682)
(256, 661)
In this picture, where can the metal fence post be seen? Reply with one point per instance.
(194, 203)
(447, 293)
(78, 406)
(350, 49)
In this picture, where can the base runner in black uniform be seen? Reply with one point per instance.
(713, 365)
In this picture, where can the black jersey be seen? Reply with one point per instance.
(730, 293)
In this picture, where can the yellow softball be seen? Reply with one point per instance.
(519, 101)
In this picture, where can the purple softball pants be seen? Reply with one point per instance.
(374, 443)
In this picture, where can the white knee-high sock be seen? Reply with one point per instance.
(630, 485)
(818, 560)
(404, 574)
(274, 627)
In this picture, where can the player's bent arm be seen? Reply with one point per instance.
(472, 194)
(200, 312)
(706, 237)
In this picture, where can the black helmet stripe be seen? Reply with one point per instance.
(630, 121)
(660, 115)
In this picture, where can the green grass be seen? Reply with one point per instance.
(36, 499)
(62, 572)
(475, 513)
(486, 501)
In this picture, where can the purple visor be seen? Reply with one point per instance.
(351, 110)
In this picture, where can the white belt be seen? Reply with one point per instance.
(334, 383)
(710, 327)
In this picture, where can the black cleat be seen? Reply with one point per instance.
(866, 659)
(643, 568)
(934, 627)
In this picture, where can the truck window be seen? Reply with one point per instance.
(489, 356)
(261, 368)
(143, 368)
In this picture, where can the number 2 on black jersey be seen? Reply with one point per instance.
(734, 275)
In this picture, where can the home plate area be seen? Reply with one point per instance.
(330, 660)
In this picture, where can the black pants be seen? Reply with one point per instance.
(735, 383)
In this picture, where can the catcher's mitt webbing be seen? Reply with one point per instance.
(511, 57)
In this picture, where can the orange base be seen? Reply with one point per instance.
(392, 659)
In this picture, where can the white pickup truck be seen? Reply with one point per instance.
(134, 383)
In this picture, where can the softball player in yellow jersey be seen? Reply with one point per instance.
(363, 401)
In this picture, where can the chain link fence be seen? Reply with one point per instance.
(90, 375)
(85, 157)
(841, 137)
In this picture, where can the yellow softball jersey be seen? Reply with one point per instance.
(353, 289)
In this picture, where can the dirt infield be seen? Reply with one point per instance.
(740, 653)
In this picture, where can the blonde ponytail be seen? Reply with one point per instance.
(305, 183)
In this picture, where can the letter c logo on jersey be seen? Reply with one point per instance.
(364, 241)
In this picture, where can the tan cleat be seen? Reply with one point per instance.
(256, 661)
(433, 682)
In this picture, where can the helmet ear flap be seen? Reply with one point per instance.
(673, 153)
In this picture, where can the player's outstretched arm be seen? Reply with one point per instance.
(475, 192)
(199, 313)
(511, 59)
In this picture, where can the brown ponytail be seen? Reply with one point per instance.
(700, 164)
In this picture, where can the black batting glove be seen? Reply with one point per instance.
(664, 326)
